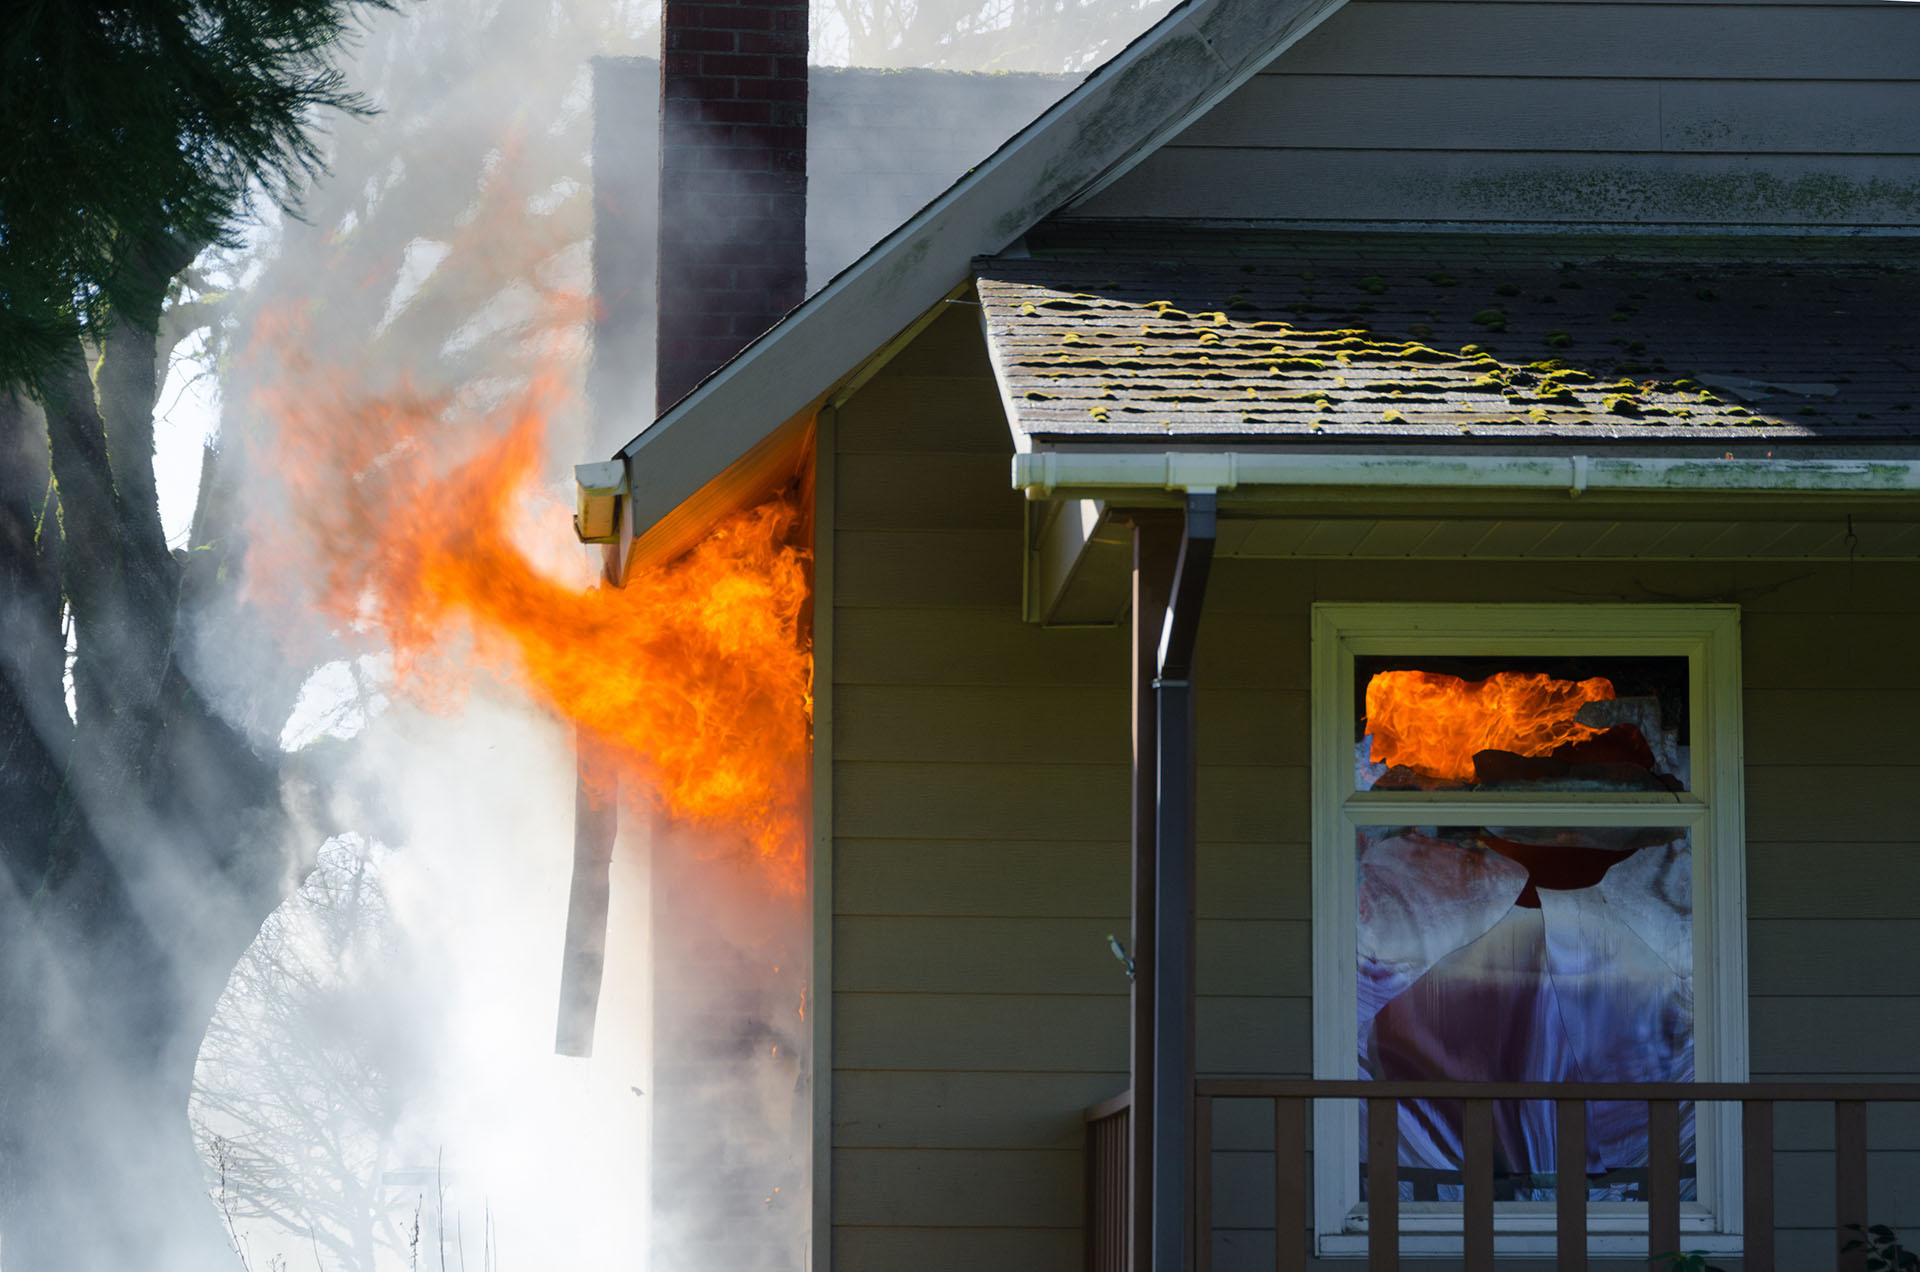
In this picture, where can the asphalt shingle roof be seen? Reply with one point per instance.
(1110, 334)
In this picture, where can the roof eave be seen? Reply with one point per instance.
(1156, 86)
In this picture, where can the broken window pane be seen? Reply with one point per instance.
(1531, 954)
(1521, 724)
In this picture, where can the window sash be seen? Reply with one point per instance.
(1711, 812)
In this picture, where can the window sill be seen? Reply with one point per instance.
(1430, 1229)
(1621, 1245)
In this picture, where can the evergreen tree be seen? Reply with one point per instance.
(144, 835)
(135, 132)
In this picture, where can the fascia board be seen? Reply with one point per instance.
(1152, 89)
(1114, 475)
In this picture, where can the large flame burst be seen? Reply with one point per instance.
(695, 678)
(1435, 723)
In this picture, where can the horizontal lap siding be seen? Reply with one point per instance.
(1711, 112)
(1670, 39)
(979, 863)
(981, 828)
(1463, 186)
(1833, 853)
(1832, 694)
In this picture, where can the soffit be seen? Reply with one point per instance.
(1079, 551)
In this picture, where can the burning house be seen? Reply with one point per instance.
(1402, 522)
(720, 197)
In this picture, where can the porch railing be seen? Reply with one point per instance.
(1107, 1219)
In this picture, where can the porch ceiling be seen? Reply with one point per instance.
(1544, 537)
(1080, 550)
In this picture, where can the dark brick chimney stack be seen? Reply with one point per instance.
(728, 980)
(733, 180)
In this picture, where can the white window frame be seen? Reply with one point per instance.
(1708, 636)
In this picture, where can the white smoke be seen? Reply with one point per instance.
(380, 1088)
(403, 1046)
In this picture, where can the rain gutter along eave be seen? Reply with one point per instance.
(1162, 476)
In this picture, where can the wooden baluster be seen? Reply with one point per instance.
(1110, 1255)
(1095, 1199)
(1289, 1184)
(1095, 1196)
(1756, 1167)
(1115, 1190)
(1570, 1186)
(1850, 1179)
(1383, 1185)
(1103, 1190)
(1663, 1177)
(1476, 1133)
(1110, 1186)
(1202, 1183)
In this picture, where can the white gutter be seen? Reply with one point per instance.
(1107, 475)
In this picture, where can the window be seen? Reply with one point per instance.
(1527, 866)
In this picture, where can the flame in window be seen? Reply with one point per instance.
(1435, 723)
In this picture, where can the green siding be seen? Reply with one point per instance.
(1712, 112)
(981, 820)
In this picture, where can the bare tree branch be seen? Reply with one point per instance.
(185, 318)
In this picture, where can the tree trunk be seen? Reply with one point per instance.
(142, 837)
(34, 729)
(100, 1173)
(105, 995)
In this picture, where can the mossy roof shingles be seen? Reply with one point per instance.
(1212, 337)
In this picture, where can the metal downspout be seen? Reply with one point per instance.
(1174, 1224)
(1156, 551)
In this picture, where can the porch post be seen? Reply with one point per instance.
(1174, 1225)
(1156, 549)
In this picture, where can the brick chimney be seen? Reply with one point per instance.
(731, 1166)
(733, 180)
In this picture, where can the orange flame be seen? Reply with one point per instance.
(695, 678)
(1435, 723)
